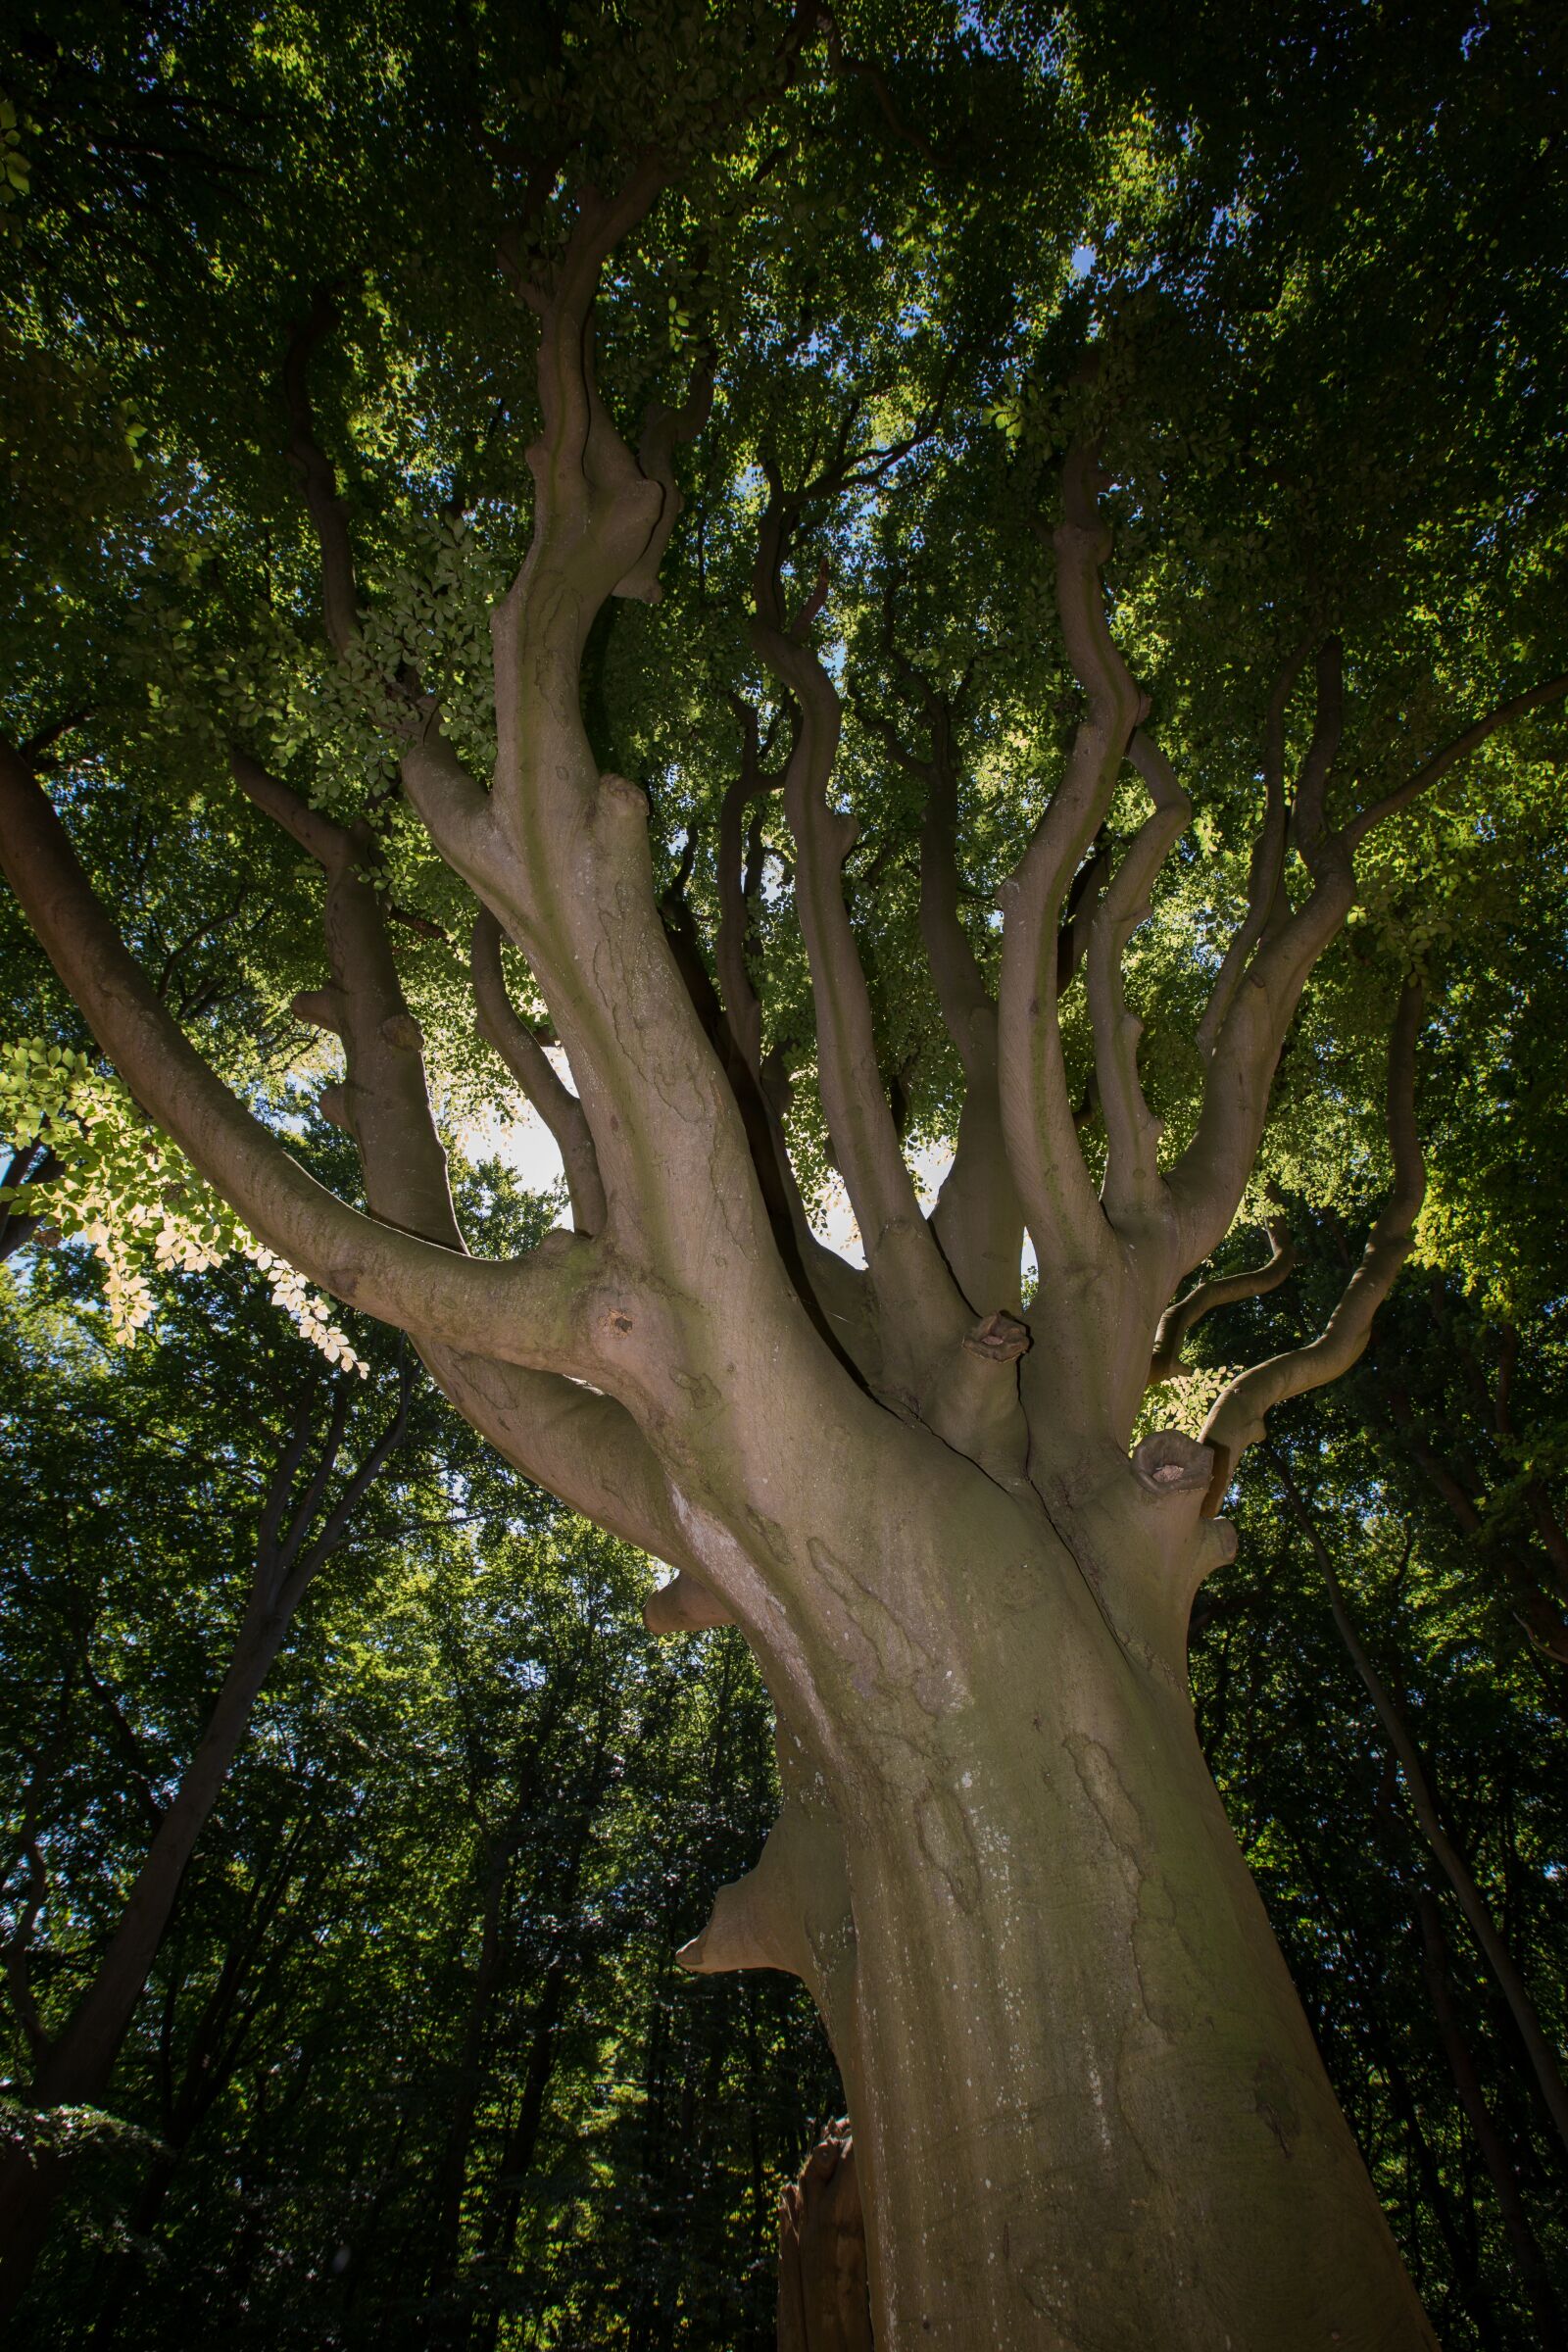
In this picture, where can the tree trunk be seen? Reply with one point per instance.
(76, 2069)
(822, 2299)
(1089, 2114)
(1534, 2277)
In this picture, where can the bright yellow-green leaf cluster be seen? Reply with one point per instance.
(126, 1192)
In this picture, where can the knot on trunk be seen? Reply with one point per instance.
(999, 1339)
(792, 1912)
(318, 1009)
(685, 1606)
(403, 1031)
(823, 2305)
(618, 792)
(333, 1104)
(1169, 1462)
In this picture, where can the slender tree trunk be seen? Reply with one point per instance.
(1534, 2275)
(76, 2069)
(499, 2233)
(1089, 2114)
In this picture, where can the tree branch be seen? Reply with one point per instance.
(1063, 1215)
(1133, 1193)
(1237, 1419)
(1223, 1290)
(1266, 870)
(1210, 1175)
(742, 794)
(525, 1307)
(384, 1104)
(530, 1066)
(906, 1266)
(1439, 764)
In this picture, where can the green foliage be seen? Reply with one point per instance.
(427, 1936)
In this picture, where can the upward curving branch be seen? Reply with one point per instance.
(1184, 1314)
(1065, 1218)
(904, 1263)
(525, 1310)
(1237, 1420)
(503, 1027)
(1265, 873)
(1133, 1193)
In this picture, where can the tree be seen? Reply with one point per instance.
(1087, 2106)
(424, 1941)
(310, 1505)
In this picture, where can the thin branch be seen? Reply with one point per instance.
(1441, 761)
(1058, 1198)
(1209, 1177)
(1267, 865)
(1237, 1419)
(1222, 1290)
(385, 1102)
(900, 1253)
(1132, 1193)
(340, 613)
(737, 884)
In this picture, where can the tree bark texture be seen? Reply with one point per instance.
(1088, 2111)
(823, 2301)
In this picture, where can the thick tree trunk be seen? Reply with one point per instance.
(1089, 2114)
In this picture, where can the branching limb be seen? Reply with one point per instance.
(384, 1104)
(1207, 1181)
(902, 1255)
(582, 1446)
(525, 1058)
(1058, 1198)
(1238, 1417)
(576, 1443)
(524, 1308)
(978, 1220)
(1265, 874)
(1210, 1178)
(568, 868)
(1133, 1193)
(1224, 1289)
